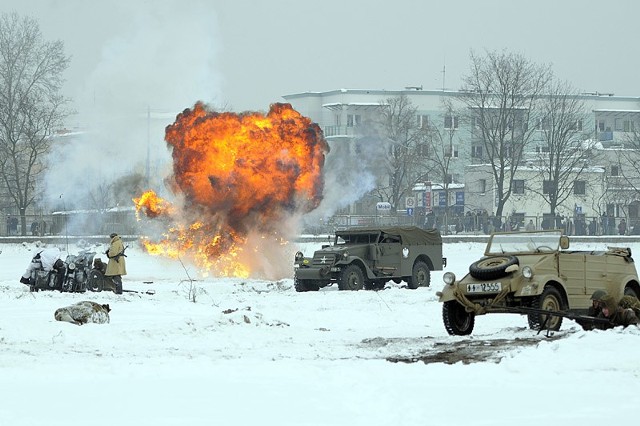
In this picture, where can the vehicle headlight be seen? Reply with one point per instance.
(527, 272)
(345, 254)
(299, 255)
(71, 266)
(449, 278)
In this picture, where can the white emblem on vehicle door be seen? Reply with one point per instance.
(405, 252)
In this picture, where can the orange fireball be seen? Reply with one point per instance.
(241, 178)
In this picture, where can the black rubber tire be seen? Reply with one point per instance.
(305, 285)
(420, 275)
(94, 282)
(629, 291)
(457, 321)
(551, 300)
(374, 284)
(492, 267)
(351, 278)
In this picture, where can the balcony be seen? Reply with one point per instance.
(341, 131)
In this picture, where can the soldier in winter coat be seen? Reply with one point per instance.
(617, 315)
(116, 266)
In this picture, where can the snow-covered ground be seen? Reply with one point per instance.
(255, 352)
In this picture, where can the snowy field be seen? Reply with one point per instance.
(255, 352)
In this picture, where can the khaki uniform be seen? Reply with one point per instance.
(117, 264)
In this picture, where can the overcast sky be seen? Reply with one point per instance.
(246, 54)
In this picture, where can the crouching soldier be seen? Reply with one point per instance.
(617, 315)
(47, 260)
(116, 266)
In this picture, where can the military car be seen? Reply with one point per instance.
(534, 272)
(368, 258)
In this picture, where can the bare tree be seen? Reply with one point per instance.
(403, 140)
(566, 148)
(31, 106)
(441, 146)
(501, 92)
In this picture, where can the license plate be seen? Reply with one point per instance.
(484, 288)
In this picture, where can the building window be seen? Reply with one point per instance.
(518, 186)
(579, 187)
(451, 151)
(353, 120)
(422, 121)
(422, 150)
(476, 151)
(618, 124)
(450, 122)
(600, 125)
(614, 171)
(547, 186)
(338, 120)
(577, 126)
(483, 185)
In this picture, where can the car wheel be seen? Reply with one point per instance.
(629, 291)
(457, 320)
(492, 267)
(305, 285)
(549, 300)
(351, 278)
(420, 276)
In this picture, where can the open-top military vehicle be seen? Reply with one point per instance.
(533, 272)
(368, 258)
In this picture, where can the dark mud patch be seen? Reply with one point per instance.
(473, 350)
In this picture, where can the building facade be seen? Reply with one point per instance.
(602, 189)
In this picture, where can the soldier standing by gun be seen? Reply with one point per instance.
(116, 266)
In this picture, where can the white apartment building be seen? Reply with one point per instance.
(342, 113)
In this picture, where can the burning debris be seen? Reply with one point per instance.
(241, 179)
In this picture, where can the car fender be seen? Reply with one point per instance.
(536, 286)
(446, 294)
(355, 260)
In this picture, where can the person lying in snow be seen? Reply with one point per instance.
(83, 312)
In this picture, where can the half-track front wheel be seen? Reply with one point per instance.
(351, 278)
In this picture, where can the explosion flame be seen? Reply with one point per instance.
(240, 179)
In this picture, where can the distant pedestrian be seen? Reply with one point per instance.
(35, 227)
(622, 227)
(530, 226)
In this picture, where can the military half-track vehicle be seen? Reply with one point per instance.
(532, 273)
(368, 258)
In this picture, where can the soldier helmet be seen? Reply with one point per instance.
(609, 302)
(598, 295)
(113, 234)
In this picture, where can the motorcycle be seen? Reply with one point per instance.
(77, 274)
